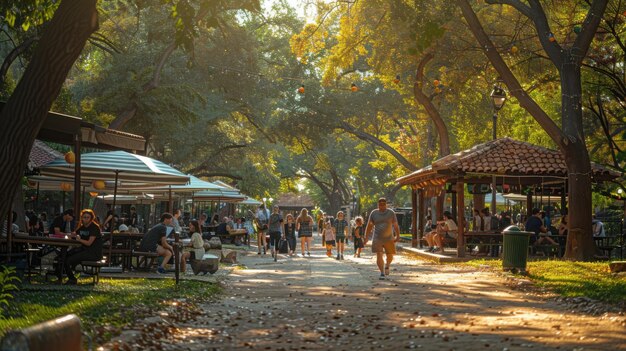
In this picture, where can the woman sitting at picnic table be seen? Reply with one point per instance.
(446, 229)
(88, 234)
(196, 245)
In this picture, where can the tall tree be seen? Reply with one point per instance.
(26, 109)
(570, 138)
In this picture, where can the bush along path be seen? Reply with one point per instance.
(319, 303)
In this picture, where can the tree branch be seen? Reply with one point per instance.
(509, 78)
(589, 28)
(209, 159)
(424, 100)
(372, 139)
(518, 5)
(218, 174)
(14, 54)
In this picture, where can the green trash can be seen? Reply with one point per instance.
(515, 249)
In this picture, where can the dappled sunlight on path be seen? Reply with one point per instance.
(319, 303)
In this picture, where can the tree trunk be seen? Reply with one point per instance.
(433, 113)
(580, 245)
(27, 108)
(569, 137)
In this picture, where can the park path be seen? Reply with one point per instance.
(319, 303)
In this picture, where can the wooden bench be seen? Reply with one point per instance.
(93, 268)
(145, 259)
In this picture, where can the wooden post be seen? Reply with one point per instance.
(176, 256)
(529, 205)
(77, 176)
(479, 202)
(439, 207)
(460, 193)
(421, 203)
(414, 224)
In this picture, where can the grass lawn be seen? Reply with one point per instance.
(104, 308)
(572, 279)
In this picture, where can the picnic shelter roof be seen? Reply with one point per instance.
(502, 158)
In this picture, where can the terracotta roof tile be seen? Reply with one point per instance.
(505, 156)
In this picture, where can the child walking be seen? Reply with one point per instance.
(357, 236)
(340, 225)
(329, 236)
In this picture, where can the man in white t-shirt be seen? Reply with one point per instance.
(446, 229)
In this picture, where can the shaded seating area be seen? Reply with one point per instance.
(514, 166)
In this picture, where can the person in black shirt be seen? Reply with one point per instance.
(535, 224)
(156, 241)
(61, 223)
(88, 234)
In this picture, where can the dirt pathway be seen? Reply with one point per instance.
(319, 303)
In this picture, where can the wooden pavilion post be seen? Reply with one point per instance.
(529, 205)
(460, 193)
(414, 224)
(439, 206)
(421, 203)
(77, 176)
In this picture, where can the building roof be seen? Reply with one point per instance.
(502, 157)
(63, 129)
(291, 200)
(41, 154)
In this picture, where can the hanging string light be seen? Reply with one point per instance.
(436, 82)
(397, 79)
(98, 184)
(514, 49)
(66, 186)
(551, 37)
(301, 89)
(354, 88)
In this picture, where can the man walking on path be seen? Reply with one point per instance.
(386, 233)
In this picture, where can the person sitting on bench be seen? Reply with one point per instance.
(226, 228)
(446, 229)
(89, 235)
(156, 241)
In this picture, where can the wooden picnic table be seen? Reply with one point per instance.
(62, 243)
(125, 250)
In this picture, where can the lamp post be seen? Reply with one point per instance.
(498, 98)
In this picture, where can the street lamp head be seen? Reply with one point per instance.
(271, 200)
(264, 199)
(498, 97)
(620, 191)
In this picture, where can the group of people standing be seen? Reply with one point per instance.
(382, 223)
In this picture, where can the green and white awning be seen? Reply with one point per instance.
(126, 166)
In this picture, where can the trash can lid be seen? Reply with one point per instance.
(513, 229)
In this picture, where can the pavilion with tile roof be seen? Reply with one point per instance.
(514, 164)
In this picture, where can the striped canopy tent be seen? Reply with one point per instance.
(194, 184)
(119, 166)
(219, 195)
(251, 202)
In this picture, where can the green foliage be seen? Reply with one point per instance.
(572, 279)
(112, 303)
(8, 281)
(26, 13)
